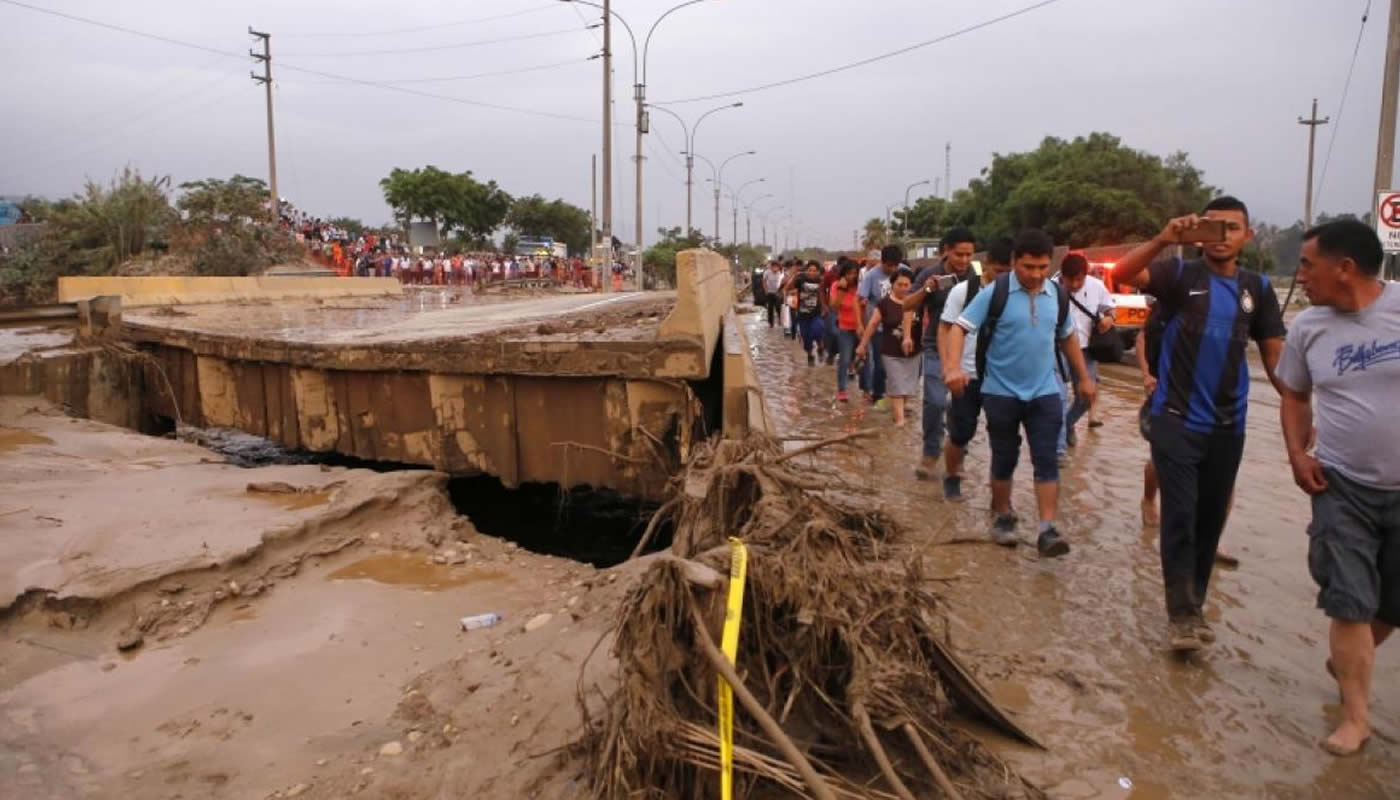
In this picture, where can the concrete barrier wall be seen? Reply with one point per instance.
(704, 294)
(176, 290)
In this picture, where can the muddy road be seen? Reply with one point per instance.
(1077, 645)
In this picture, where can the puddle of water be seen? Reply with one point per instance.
(14, 438)
(412, 569)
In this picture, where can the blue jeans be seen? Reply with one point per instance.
(1061, 445)
(935, 405)
(846, 342)
(1076, 410)
(812, 329)
(1042, 417)
(874, 377)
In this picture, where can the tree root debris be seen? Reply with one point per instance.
(843, 687)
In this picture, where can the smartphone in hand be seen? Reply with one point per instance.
(1206, 231)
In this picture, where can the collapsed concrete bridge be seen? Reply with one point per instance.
(576, 389)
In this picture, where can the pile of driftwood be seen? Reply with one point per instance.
(842, 684)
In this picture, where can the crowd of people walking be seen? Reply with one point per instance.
(1017, 343)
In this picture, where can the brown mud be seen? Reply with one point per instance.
(1077, 645)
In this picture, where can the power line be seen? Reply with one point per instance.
(866, 61)
(434, 48)
(288, 67)
(435, 26)
(538, 68)
(1332, 140)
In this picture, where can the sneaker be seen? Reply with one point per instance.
(1004, 531)
(811, 360)
(1203, 631)
(952, 488)
(881, 404)
(1182, 636)
(1050, 544)
(841, 397)
(1095, 423)
(928, 467)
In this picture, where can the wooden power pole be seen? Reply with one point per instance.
(1312, 122)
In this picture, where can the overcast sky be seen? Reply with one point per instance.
(1225, 81)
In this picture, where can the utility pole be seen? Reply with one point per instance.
(640, 94)
(937, 184)
(266, 80)
(735, 240)
(607, 145)
(948, 168)
(1312, 122)
(1390, 93)
(593, 217)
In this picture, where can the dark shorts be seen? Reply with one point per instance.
(1354, 551)
(1041, 417)
(963, 413)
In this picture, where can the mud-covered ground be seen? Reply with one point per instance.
(1077, 645)
(288, 630)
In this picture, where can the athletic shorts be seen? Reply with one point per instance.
(1354, 551)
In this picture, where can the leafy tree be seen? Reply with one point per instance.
(661, 257)
(561, 221)
(925, 219)
(452, 201)
(1088, 191)
(350, 225)
(238, 199)
(510, 242)
(876, 236)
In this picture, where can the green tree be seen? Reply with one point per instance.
(661, 257)
(238, 199)
(925, 218)
(350, 225)
(509, 242)
(451, 201)
(1088, 191)
(561, 221)
(876, 236)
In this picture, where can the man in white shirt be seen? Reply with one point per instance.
(1089, 300)
(965, 408)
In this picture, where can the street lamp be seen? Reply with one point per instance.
(689, 151)
(719, 180)
(735, 198)
(748, 217)
(906, 202)
(764, 221)
(639, 81)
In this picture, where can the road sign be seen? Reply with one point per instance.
(1388, 220)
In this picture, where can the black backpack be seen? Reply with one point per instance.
(1001, 290)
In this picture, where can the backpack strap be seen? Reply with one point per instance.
(974, 283)
(1000, 291)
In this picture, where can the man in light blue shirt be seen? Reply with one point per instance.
(874, 287)
(1016, 349)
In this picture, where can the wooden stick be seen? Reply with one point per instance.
(750, 703)
(596, 449)
(652, 526)
(881, 757)
(824, 443)
(939, 776)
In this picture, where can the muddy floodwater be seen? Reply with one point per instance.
(1076, 646)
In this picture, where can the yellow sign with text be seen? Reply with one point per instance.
(729, 643)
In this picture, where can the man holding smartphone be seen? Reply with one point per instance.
(1209, 309)
(929, 294)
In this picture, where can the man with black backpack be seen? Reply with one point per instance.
(1209, 309)
(1091, 308)
(966, 407)
(1021, 321)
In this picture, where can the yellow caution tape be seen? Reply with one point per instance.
(729, 643)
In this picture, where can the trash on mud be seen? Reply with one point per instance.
(844, 688)
(481, 621)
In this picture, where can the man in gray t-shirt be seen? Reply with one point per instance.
(1344, 354)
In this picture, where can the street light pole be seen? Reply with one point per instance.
(748, 217)
(689, 153)
(906, 202)
(607, 142)
(719, 180)
(736, 198)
